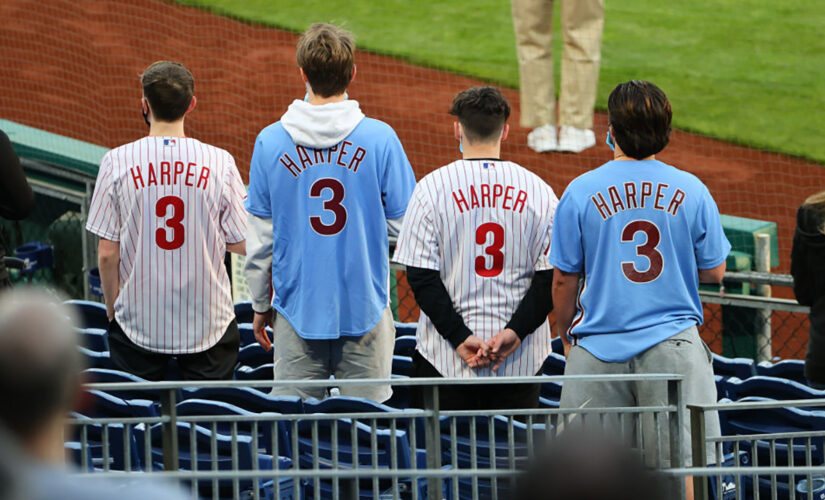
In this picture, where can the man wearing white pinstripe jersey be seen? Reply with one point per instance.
(475, 242)
(167, 208)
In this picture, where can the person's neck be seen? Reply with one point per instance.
(167, 129)
(317, 100)
(481, 150)
(619, 155)
(46, 445)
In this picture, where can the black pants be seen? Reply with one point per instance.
(215, 363)
(474, 397)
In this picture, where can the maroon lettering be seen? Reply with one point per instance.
(676, 201)
(152, 181)
(359, 155)
(630, 195)
(659, 196)
(165, 173)
(319, 155)
(485, 195)
(342, 153)
(290, 165)
(615, 199)
(178, 171)
(303, 157)
(647, 191)
(498, 190)
(601, 205)
(330, 151)
(189, 174)
(473, 197)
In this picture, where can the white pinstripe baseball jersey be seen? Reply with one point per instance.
(486, 226)
(173, 203)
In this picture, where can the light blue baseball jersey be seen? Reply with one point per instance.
(639, 231)
(329, 207)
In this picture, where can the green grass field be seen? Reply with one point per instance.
(747, 71)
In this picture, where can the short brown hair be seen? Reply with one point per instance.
(169, 87)
(482, 112)
(326, 53)
(640, 115)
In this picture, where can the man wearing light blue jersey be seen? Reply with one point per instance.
(325, 183)
(642, 235)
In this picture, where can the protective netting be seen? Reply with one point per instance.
(71, 67)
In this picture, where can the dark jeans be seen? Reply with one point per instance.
(474, 397)
(215, 363)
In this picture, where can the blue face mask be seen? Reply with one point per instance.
(306, 96)
(609, 141)
(460, 146)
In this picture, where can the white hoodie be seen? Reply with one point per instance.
(321, 126)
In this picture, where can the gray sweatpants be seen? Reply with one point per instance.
(367, 356)
(683, 354)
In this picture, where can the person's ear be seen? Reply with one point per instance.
(192, 104)
(505, 131)
(144, 106)
(457, 130)
(354, 72)
(303, 75)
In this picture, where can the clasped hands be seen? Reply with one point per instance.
(479, 354)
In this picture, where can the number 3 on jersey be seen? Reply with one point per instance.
(493, 249)
(646, 249)
(332, 204)
(173, 223)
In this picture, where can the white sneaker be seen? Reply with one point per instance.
(575, 140)
(543, 139)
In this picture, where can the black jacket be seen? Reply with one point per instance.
(16, 197)
(808, 270)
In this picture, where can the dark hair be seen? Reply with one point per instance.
(169, 87)
(640, 115)
(482, 112)
(326, 53)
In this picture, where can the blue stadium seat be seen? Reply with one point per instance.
(105, 405)
(721, 387)
(551, 390)
(199, 407)
(74, 452)
(94, 339)
(404, 345)
(548, 403)
(263, 372)
(405, 329)
(770, 387)
(740, 368)
(791, 369)
(554, 364)
(92, 314)
(402, 365)
(248, 335)
(254, 355)
(203, 458)
(244, 312)
(105, 376)
(249, 399)
(94, 359)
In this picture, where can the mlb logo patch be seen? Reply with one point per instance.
(170, 142)
(487, 164)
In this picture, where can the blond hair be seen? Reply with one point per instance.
(816, 202)
(326, 53)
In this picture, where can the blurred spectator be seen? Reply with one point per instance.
(808, 270)
(16, 197)
(590, 467)
(40, 382)
(581, 24)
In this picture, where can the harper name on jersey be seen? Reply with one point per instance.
(169, 175)
(492, 196)
(627, 199)
(343, 156)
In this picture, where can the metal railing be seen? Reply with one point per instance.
(791, 456)
(380, 454)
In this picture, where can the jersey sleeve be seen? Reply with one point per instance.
(233, 214)
(418, 242)
(258, 201)
(398, 179)
(709, 242)
(104, 211)
(544, 238)
(566, 252)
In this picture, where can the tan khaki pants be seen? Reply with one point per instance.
(581, 22)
